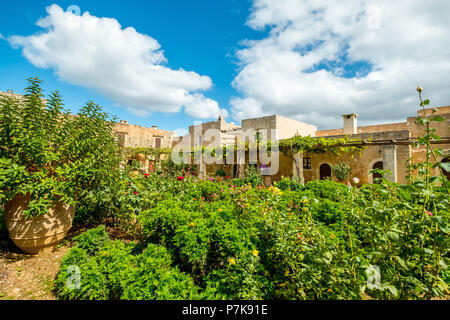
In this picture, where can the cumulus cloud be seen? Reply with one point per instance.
(321, 59)
(181, 132)
(122, 64)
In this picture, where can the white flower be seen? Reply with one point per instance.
(355, 180)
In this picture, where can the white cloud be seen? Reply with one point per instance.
(122, 64)
(181, 132)
(406, 45)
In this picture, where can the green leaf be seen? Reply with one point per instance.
(445, 166)
(401, 262)
(392, 289)
(392, 235)
(443, 264)
(437, 118)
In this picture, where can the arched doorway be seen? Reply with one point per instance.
(377, 165)
(447, 174)
(325, 171)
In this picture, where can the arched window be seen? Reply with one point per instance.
(377, 165)
(325, 171)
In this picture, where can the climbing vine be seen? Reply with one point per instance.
(320, 145)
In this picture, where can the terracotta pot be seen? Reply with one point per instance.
(38, 234)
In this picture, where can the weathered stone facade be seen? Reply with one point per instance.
(393, 150)
(135, 136)
(389, 146)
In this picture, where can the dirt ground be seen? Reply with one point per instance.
(28, 277)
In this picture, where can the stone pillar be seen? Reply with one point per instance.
(202, 170)
(240, 162)
(297, 167)
(390, 161)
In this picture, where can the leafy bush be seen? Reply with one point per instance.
(289, 184)
(265, 243)
(49, 154)
(342, 171)
(253, 176)
(328, 189)
(114, 270)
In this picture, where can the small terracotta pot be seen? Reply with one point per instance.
(41, 233)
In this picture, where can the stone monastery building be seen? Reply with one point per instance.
(389, 146)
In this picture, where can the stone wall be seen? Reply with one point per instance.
(366, 129)
(136, 136)
(285, 127)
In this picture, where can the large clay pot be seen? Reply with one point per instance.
(41, 233)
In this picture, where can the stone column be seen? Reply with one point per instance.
(240, 162)
(297, 167)
(202, 170)
(390, 161)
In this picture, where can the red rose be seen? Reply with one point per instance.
(135, 192)
(227, 177)
(146, 174)
(180, 178)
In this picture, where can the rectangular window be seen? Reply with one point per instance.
(307, 163)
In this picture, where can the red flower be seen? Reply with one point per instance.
(146, 174)
(135, 192)
(430, 213)
(227, 177)
(180, 178)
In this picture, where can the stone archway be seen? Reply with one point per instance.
(374, 164)
(377, 165)
(325, 171)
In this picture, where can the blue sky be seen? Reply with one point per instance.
(200, 35)
(187, 60)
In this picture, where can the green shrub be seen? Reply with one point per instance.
(317, 242)
(289, 184)
(342, 171)
(151, 277)
(114, 270)
(253, 176)
(49, 154)
(328, 189)
(92, 240)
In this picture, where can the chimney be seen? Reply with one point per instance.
(350, 123)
